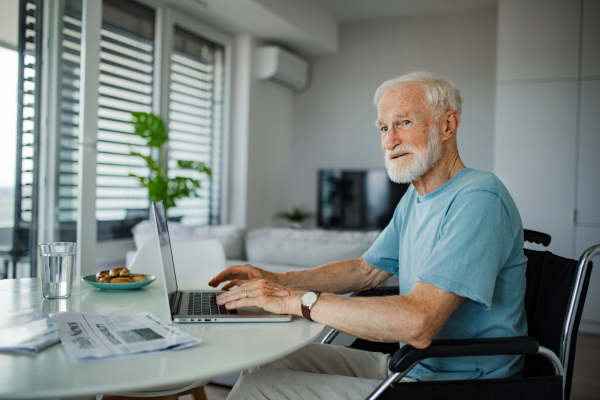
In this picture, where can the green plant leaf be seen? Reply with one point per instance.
(297, 214)
(151, 127)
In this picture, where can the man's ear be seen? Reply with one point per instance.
(451, 120)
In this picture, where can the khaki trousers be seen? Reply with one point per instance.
(316, 371)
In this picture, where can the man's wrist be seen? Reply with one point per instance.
(294, 303)
(283, 278)
(273, 277)
(308, 301)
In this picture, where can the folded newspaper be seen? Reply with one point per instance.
(28, 331)
(102, 335)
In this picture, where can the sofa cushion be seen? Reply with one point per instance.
(231, 237)
(306, 247)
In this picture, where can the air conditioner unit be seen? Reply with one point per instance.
(281, 66)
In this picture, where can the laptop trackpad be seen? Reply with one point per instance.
(248, 311)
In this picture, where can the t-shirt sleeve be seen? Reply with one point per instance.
(383, 253)
(471, 247)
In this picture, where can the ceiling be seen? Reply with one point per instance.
(311, 27)
(362, 10)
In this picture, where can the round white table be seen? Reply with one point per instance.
(52, 373)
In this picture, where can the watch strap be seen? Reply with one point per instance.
(306, 309)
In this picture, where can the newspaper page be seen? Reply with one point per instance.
(28, 331)
(102, 335)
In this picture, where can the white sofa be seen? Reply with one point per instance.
(273, 249)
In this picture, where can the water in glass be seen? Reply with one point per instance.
(57, 274)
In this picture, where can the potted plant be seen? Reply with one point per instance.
(160, 187)
(295, 216)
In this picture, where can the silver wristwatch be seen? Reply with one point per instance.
(308, 301)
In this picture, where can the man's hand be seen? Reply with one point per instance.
(261, 293)
(237, 273)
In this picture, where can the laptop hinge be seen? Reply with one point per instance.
(175, 302)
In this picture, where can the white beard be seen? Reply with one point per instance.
(423, 160)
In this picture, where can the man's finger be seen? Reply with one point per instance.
(231, 284)
(236, 299)
(218, 279)
(256, 284)
(238, 304)
(227, 275)
(228, 296)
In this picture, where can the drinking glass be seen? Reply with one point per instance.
(57, 260)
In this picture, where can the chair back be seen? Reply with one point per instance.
(196, 262)
(147, 259)
(551, 281)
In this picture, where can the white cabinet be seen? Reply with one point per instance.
(547, 136)
(588, 168)
(590, 320)
(534, 155)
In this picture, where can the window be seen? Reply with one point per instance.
(127, 79)
(69, 121)
(196, 112)
(126, 82)
(9, 66)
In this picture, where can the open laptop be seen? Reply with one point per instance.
(198, 305)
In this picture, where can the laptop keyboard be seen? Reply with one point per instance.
(205, 303)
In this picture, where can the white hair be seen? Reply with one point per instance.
(441, 93)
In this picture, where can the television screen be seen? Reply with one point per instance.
(360, 200)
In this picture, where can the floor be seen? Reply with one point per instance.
(215, 392)
(586, 376)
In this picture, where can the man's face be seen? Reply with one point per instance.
(409, 133)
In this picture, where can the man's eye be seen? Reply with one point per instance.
(406, 122)
(384, 129)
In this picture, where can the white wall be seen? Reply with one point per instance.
(269, 149)
(333, 120)
(260, 148)
(547, 140)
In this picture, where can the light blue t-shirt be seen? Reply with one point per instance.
(466, 237)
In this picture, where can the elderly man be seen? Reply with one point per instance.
(455, 242)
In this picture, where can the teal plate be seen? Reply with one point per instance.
(91, 280)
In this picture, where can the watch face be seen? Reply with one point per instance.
(309, 298)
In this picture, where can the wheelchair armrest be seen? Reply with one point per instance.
(378, 291)
(406, 358)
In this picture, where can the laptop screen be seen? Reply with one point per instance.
(162, 231)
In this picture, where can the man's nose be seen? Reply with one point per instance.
(391, 140)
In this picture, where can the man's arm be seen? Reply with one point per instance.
(338, 277)
(415, 318)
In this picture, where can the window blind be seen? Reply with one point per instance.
(26, 179)
(126, 84)
(27, 129)
(195, 123)
(69, 120)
